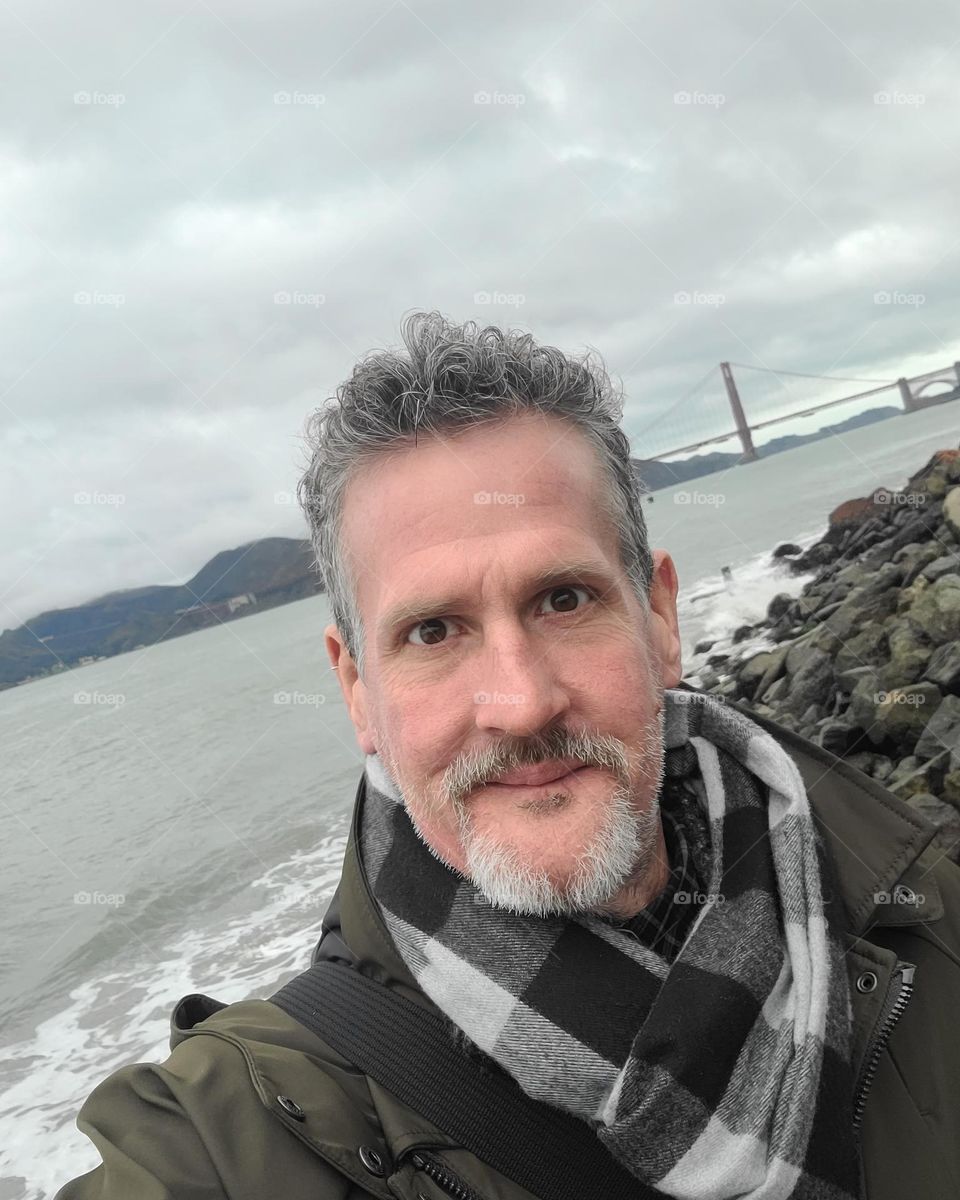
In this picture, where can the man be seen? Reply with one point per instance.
(650, 910)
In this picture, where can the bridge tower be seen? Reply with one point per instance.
(743, 429)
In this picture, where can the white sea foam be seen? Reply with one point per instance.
(123, 1016)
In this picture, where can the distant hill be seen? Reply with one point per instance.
(658, 475)
(234, 583)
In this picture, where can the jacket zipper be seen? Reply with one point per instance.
(444, 1177)
(905, 971)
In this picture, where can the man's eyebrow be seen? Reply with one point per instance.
(424, 608)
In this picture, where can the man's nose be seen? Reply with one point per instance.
(519, 692)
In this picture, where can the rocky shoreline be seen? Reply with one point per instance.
(866, 660)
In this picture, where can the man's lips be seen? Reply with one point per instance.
(539, 773)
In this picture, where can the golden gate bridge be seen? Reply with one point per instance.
(722, 407)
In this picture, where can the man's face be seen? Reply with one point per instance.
(501, 635)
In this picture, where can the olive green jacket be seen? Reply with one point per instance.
(250, 1105)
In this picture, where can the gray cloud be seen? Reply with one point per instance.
(171, 172)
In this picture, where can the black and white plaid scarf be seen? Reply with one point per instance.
(724, 1073)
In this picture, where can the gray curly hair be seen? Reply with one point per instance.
(452, 378)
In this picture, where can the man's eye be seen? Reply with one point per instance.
(431, 631)
(564, 599)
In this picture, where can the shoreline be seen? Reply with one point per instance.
(865, 661)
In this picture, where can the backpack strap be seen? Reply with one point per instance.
(407, 1048)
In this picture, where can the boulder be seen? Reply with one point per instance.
(937, 609)
(943, 669)
(947, 564)
(787, 550)
(778, 606)
(868, 648)
(812, 683)
(837, 736)
(941, 732)
(901, 715)
(951, 512)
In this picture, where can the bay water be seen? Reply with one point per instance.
(174, 818)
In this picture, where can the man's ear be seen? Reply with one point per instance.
(352, 686)
(663, 618)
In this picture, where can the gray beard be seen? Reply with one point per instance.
(625, 847)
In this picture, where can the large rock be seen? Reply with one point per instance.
(943, 669)
(951, 512)
(901, 715)
(947, 564)
(868, 648)
(861, 608)
(812, 684)
(945, 817)
(942, 733)
(909, 651)
(937, 609)
(861, 710)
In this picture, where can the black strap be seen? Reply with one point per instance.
(407, 1048)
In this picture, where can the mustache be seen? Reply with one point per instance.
(471, 771)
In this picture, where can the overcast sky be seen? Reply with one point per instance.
(171, 173)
